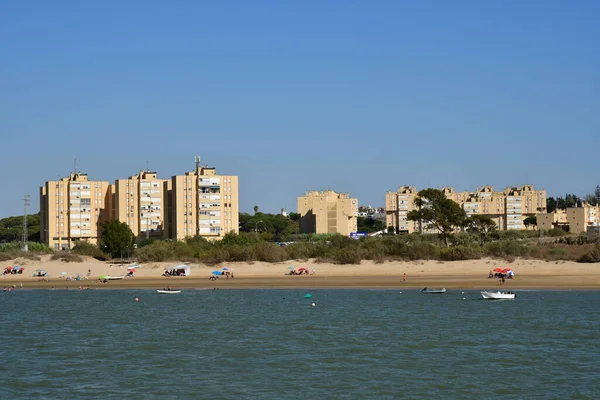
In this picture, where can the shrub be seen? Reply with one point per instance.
(507, 248)
(89, 249)
(65, 256)
(214, 255)
(349, 255)
(457, 253)
(554, 232)
(270, 252)
(592, 256)
(558, 253)
(299, 251)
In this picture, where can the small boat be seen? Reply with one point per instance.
(433, 291)
(170, 291)
(498, 295)
(114, 278)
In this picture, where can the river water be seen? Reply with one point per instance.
(272, 344)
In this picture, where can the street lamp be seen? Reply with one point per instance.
(256, 226)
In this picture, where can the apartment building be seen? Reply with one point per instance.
(327, 212)
(139, 201)
(202, 203)
(397, 206)
(573, 219)
(508, 208)
(73, 209)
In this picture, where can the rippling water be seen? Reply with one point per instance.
(235, 344)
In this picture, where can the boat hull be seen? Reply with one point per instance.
(434, 291)
(498, 296)
(114, 278)
(168, 291)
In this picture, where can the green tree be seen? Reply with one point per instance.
(482, 226)
(551, 205)
(591, 199)
(530, 221)
(294, 216)
(436, 211)
(117, 238)
(369, 225)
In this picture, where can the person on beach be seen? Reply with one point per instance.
(404, 278)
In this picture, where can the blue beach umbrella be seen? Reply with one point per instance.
(224, 269)
(216, 272)
(291, 267)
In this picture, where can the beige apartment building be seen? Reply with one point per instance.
(573, 219)
(327, 212)
(73, 209)
(202, 203)
(140, 201)
(508, 208)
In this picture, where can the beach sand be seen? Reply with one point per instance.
(472, 274)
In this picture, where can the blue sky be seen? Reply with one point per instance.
(356, 96)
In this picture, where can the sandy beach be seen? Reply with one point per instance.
(473, 274)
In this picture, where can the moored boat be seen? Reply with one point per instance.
(167, 291)
(433, 291)
(114, 278)
(498, 295)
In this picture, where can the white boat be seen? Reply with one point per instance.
(433, 291)
(159, 291)
(498, 295)
(114, 278)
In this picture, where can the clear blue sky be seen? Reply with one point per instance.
(356, 96)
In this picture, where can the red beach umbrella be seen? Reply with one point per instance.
(506, 270)
(498, 270)
(302, 269)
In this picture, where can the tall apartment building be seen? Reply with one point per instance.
(202, 203)
(72, 209)
(573, 219)
(140, 202)
(327, 212)
(508, 208)
(397, 206)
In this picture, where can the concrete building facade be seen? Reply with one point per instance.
(327, 212)
(202, 203)
(199, 203)
(139, 201)
(573, 219)
(73, 209)
(508, 208)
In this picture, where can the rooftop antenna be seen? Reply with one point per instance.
(25, 235)
(74, 166)
(147, 170)
(198, 165)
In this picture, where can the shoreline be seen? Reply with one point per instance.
(465, 275)
(563, 282)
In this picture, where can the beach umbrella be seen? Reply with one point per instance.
(498, 270)
(224, 269)
(291, 267)
(216, 272)
(302, 269)
(63, 273)
(505, 270)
